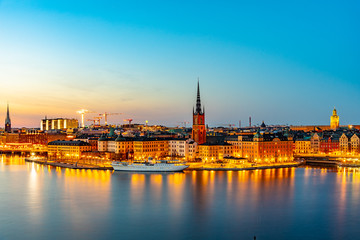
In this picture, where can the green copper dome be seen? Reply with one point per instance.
(103, 138)
(120, 138)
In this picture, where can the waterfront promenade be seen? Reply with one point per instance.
(96, 164)
(73, 164)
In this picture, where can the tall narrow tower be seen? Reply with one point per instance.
(7, 121)
(334, 120)
(198, 129)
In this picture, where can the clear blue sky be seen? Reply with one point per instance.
(278, 61)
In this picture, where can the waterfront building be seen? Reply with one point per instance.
(67, 149)
(124, 147)
(116, 144)
(315, 143)
(263, 147)
(198, 128)
(355, 143)
(58, 123)
(344, 143)
(150, 147)
(329, 144)
(302, 146)
(106, 143)
(7, 120)
(334, 120)
(210, 152)
(183, 148)
(93, 140)
(34, 137)
(326, 142)
(141, 148)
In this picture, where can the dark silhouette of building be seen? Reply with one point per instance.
(198, 129)
(7, 121)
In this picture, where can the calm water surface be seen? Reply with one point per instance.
(40, 202)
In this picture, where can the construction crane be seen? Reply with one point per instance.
(82, 112)
(95, 120)
(105, 115)
(98, 119)
(92, 120)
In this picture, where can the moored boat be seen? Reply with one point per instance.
(150, 166)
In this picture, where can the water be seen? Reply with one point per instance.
(40, 202)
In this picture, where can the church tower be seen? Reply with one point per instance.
(198, 129)
(334, 120)
(7, 121)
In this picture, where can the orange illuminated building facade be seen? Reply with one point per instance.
(263, 147)
(67, 149)
(214, 152)
(198, 128)
(147, 147)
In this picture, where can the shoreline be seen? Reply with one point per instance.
(92, 167)
(66, 165)
(191, 168)
(245, 168)
(80, 166)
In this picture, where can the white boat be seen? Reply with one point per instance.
(150, 166)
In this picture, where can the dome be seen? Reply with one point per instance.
(257, 135)
(120, 138)
(103, 138)
(112, 133)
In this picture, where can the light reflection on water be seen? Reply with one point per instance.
(302, 203)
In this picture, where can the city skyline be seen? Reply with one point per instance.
(291, 65)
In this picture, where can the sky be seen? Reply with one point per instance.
(282, 62)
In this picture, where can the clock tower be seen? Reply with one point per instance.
(334, 120)
(198, 129)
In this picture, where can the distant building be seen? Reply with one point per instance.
(7, 121)
(58, 123)
(334, 120)
(198, 128)
(67, 149)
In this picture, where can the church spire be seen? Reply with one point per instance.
(7, 120)
(198, 129)
(198, 100)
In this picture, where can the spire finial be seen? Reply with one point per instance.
(7, 112)
(198, 100)
(7, 120)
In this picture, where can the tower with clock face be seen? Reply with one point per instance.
(198, 129)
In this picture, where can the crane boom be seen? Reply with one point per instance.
(105, 115)
(82, 112)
